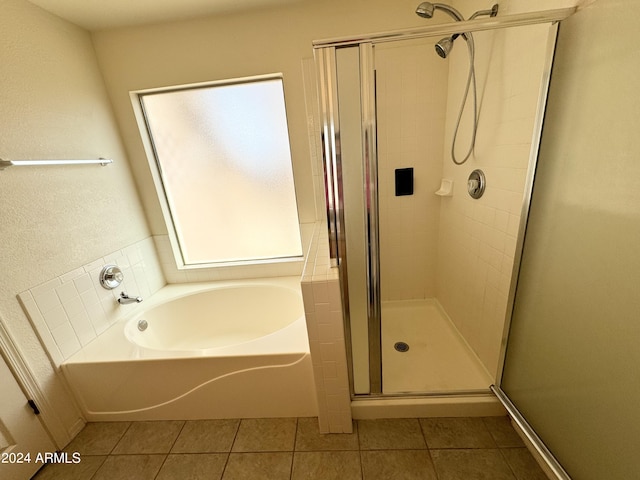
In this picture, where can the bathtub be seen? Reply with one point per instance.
(235, 349)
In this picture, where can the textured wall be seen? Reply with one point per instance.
(233, 46)
(55, 219)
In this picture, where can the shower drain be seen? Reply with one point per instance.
(401, 347)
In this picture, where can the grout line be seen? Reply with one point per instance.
(504, 458)
(184, 422)
(161, 465)
(293, 452)
(235, 435)
(233, 441)
(294, 449)
(295, 435)
(120, 439)
(424, 437)
(433, 464)
(224, 468)
(97, 469)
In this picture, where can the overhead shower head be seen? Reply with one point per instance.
(444, 46)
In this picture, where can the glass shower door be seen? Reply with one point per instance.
(426, 276)
(422, 349)
(572, 367)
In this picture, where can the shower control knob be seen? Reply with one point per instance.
(476, 184)
(111, 276)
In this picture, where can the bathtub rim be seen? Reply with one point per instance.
(113, 345)
(168, 330)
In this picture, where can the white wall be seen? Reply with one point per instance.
(55, 219)
(54, 105)
(231, 46)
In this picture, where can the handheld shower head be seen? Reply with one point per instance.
(425, 10)
(443, 48)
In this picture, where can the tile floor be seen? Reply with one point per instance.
(292, 448)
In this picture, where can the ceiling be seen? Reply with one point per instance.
(99, 15)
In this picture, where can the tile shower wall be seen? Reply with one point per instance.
(321, 291)
(71, 310)
(410, 134)
(323, 312)
(477, 239)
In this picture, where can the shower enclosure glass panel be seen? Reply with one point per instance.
(573, 363)
(411, 95)
(434, 269)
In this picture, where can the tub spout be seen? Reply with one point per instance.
(126, 299)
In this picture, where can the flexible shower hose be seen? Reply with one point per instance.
(471, 77)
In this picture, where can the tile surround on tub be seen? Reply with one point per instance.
(323, 312)
(71, 310)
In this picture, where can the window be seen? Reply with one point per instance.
(222, 155)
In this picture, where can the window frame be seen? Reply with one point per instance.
(160, 184)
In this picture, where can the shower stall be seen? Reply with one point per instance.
(426, 260)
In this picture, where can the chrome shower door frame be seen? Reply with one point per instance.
(370, 152)
(325, 55)
(326, 63)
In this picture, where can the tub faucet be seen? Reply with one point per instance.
(126, 299)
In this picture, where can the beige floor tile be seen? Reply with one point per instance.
(309, 438)
(265, 435)
(456, 433)
(81, 471)
(98, 438)
(205, 436)
(326, 466)
(130, 467)
(258, 466)
(390, 433)
(383, 449)
(149, 437)
(523, 465)
(199, 466)
(471, 464)
(502, 432)
(398, 465)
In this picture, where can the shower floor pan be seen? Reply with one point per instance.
(438, 358)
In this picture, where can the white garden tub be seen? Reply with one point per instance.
(217, 350)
